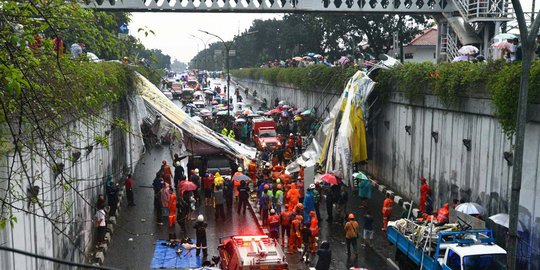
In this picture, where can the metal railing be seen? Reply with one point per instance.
(449, 43)
(485, 10)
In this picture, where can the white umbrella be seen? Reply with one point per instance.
(471, 208)
(468, 50)
(240, 120)
(504, 36)
(504, 220)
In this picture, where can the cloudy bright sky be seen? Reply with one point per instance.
(173, 30)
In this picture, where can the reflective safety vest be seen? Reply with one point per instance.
(442, 215)
(224, 132)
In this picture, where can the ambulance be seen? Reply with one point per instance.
(251, 252)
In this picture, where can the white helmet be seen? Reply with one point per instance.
(200, 218)
(272, 211)
(312, 186)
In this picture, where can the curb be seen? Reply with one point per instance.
(398, 200)
(99, 252)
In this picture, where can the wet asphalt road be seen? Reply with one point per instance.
(138, 253)
(134, 238)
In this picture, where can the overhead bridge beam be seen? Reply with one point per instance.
(277, 6)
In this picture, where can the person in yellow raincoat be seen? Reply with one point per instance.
(231, 134)
(218, 180)
(224, 131)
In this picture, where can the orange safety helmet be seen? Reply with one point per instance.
(266, 186)
(279, 186)
(300, 206)
(351, 216)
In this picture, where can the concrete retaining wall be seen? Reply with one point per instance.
(71, 238)
(318, 98)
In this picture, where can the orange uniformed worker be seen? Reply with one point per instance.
(443, 214)
(172, 209)
(314, 227)
(295, 238)
(293, 195)
(252, 170)
(424, 191)
(285, 222)
(387, 210)
(167, 172)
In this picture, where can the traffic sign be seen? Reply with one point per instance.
(123, 29)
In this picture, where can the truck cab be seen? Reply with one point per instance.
(469, 257)
(251, 252)
(264, 133)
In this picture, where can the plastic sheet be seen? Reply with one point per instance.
(166, 258)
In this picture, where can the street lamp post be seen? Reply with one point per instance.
(227, 49)
(205, 58)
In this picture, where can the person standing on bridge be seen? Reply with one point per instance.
(387, 210)
(424, 191)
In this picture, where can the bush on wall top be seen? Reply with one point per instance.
(320, 77)
(453, 81)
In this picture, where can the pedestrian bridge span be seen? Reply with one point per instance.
(459, 22)
(279, 6)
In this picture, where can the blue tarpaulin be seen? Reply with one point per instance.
(166, 258)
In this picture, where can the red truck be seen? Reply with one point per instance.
(264, 133)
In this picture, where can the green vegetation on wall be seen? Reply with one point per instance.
(318, 77)
(453, 81)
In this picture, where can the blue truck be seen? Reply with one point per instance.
(453, 250)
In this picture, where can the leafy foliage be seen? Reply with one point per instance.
(299, 34)
(316, 77)
(453, 81)
(42, 91)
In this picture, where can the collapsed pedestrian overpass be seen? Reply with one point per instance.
(184, 132)
(460, 22)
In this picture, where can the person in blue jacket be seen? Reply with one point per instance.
(309, 203)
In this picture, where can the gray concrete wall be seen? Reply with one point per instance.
(480, 175)
(319, 98)
(87, 175)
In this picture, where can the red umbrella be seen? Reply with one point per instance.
(329, 178)
(187, 186)
(275, 111)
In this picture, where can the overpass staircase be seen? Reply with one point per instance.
(473, 22)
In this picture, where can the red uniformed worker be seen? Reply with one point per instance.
(424, 191)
